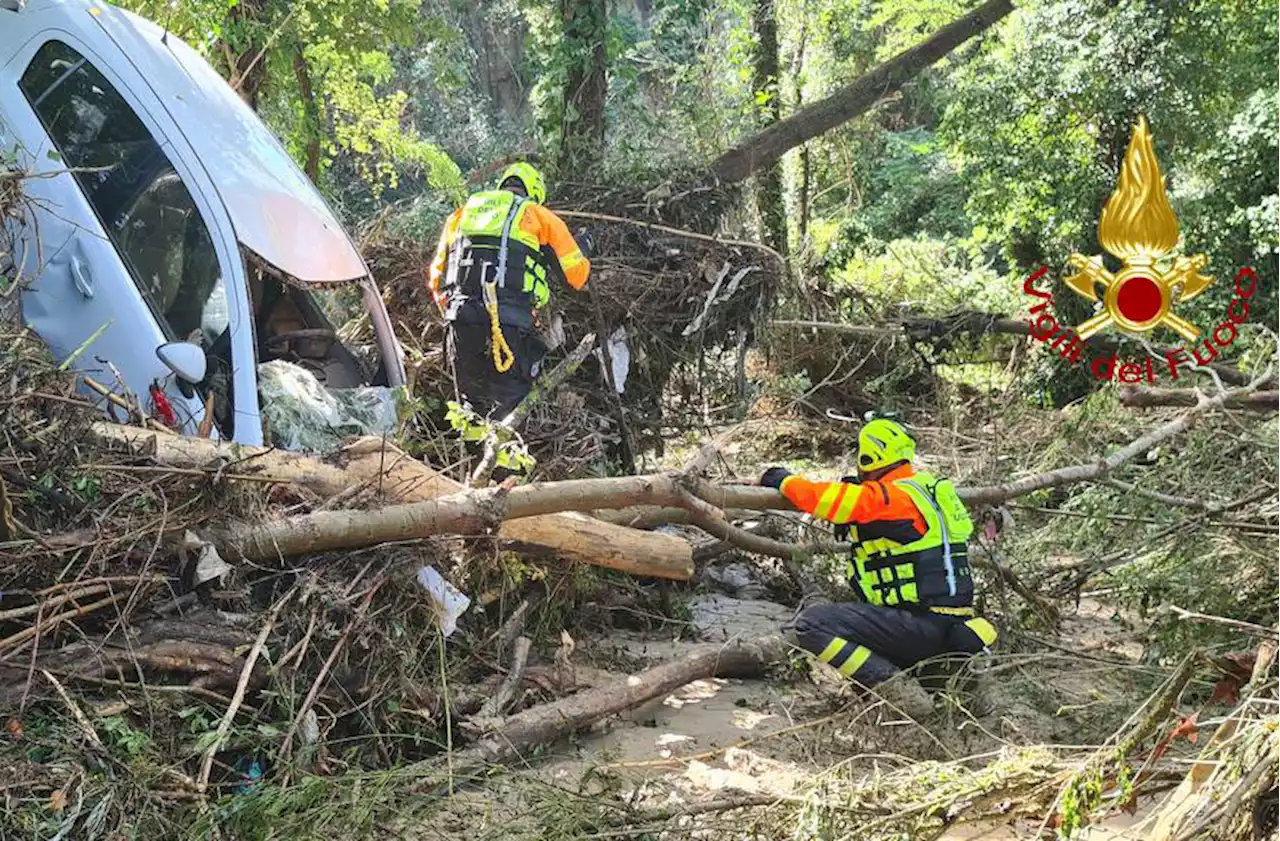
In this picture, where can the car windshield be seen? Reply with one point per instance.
(299, 323)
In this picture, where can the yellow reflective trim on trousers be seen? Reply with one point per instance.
(855, 661)
(984, 629)
(952, 611)
(827, 500)
(833, 648)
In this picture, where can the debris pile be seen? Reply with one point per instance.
(679, 307)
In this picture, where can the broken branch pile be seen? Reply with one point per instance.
(665, 296)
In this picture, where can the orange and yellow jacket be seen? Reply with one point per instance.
(537, 240)
(879, 501)
(910, 546)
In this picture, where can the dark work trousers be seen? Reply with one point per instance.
(492, 393)
(870, 643)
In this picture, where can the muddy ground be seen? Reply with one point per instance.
(719, 738)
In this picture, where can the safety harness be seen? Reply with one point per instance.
(503, 358)
(461, 258)
(893, 566)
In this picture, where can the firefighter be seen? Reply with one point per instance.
(491, 274)
(909, 565)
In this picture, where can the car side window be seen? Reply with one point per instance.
(145, 208)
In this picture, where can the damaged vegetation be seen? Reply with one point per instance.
(374, 639)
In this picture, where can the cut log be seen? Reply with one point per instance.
(400, 478)
(542, 725)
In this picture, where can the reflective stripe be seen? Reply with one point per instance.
(984, 629)
(855, 661)
(845, 508)
(833, 648)
(946, 538)
(952, 611)
(573, 258)
(830, 497)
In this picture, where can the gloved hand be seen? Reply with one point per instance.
(585, 244)
(773, 477)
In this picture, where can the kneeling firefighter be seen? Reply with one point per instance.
(909, 564)
(490, 276)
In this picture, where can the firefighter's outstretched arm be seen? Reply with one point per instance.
(838, 502)
(553, 232)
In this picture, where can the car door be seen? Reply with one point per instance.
(105, 209)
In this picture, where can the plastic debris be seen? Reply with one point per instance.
(620, 356)
(208, 563)
(303, 416)
(448, 602)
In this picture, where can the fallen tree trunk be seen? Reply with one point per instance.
(520, 734)
(982, 323)
(762, 149)
(1141, 397)
(464, 513)
(372, 462)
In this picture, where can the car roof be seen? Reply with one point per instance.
(276, 211)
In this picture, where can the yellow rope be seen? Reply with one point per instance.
(503, 358)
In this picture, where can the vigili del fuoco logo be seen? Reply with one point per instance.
(1139, 229)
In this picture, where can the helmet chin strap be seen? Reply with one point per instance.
(873, 475)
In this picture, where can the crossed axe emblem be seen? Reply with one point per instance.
(1139, 297)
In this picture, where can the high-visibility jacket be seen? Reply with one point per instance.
(909, 549)
(500, 236)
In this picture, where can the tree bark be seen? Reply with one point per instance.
(582, 120)
(522, 733)
(858, 97)
(311, 111)
(370, 461)
(766, 82)
(1142, 397)
(465, 513)
(498, 42)
(802, 226)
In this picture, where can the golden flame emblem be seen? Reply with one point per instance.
(1139, 228)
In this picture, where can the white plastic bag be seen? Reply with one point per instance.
(620, 356)
(448, 602)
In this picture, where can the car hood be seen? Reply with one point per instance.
(276, 211)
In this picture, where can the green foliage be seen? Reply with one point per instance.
(1039, 122)
(512, 453)
(928, 276)
(320, 73)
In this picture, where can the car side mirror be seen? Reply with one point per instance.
(185, 360)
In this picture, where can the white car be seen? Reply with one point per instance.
(169, 244)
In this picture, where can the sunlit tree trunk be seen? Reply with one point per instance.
(797, 78)
(499, 44)
(765, 84)
(582, 121)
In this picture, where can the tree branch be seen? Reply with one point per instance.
(544, 386)
(1143, 397)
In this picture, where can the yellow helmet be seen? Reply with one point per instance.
(534, 187)
(883, 442)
